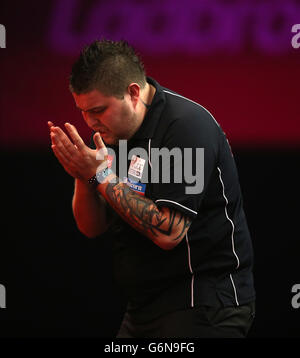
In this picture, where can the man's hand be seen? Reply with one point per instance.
(78, 160)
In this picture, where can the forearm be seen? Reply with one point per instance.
(165, 227)
(89, 210)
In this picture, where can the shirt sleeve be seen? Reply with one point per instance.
(194, 143)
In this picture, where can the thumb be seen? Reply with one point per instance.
(98, 141)
(100, 147)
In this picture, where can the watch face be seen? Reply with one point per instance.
(103, 174)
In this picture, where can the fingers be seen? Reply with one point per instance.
(61, 145)
(62, 141)
(60, 152)
(76, 158)
(64, 161)
(64, 150)
(62, 155)
(77, 140)
(78, 143)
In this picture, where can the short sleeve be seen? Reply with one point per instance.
(192, 145)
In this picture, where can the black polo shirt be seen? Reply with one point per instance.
(213, 262)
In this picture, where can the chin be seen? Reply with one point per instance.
(110, 141)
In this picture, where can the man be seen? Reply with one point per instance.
(182, 252)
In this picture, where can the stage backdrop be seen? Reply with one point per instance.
(239, 59)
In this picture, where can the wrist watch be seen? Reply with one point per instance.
(99, 177)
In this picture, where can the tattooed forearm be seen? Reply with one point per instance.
(184, 226)
(139, 211)
(142, 214)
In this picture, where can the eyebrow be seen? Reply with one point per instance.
(92, 109)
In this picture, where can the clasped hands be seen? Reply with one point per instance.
(78, 160)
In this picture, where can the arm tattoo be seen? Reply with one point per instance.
(143, 215)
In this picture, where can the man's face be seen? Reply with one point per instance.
(113, 118)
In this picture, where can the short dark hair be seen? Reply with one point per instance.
(109, 66)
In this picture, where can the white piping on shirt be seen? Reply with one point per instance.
(191, 270)
(234, 289)
(232, 234)
(174, 202)
(187, 99)
(149, 153)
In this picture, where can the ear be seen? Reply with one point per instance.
(134, 91)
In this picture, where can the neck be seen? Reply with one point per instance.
(147, 95)
(145, 104)
(145, 100)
